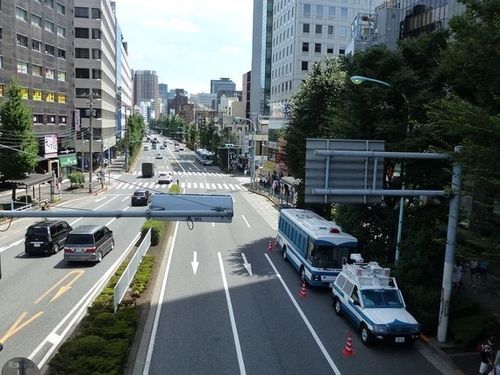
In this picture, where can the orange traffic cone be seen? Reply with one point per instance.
(348, 350)
(270, 246)
(303, 290)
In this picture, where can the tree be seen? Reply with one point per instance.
(22, 155)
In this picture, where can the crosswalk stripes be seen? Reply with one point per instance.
(189, 185)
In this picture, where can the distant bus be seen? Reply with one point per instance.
(315, 246)
(204, 157)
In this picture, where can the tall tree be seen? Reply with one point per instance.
(16, 117)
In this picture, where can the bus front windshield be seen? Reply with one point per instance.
(328, 256)
(381, 298)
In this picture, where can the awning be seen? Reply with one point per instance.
(67, 160)
(289, 180)
(31, 180)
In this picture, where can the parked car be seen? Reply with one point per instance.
(141, 197)
(165, 177)
(146, 148)
(46, 237)
(159, 156)
(88, 243)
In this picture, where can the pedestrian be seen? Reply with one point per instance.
(457, 276)
(473, 270)
(496, 365)
(487, 355)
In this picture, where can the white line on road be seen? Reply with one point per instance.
(304, 318)
(124, 199)
(2, 249)
(244, 218)
(239, 354)
(151, 343)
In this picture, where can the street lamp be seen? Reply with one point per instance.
(254, 131)
(358, 80)
(127, 108)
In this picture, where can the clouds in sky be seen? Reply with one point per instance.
(188, 42)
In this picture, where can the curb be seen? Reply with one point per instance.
(431, 350)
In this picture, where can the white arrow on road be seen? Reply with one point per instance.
(247, 265)
(195, 263)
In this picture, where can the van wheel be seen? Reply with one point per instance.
(337, 306)
(285, 254)
(366, 335)
(99, 257)
(55, 249)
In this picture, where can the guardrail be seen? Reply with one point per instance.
(123, 283)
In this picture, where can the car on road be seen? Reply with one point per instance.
(159, 156)
(146, 148)
(141, 197)
(165, 177)
(181, 148)
(88, 243)
(162, 147)
(46, 237)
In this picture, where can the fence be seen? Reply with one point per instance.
(123, 283)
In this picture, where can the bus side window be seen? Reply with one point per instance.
(310, 251)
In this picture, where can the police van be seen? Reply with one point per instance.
(367, 295)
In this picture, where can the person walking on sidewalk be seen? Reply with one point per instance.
(487, 356)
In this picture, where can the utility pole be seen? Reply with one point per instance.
(91, 114)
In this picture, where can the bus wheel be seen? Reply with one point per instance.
(285, 254)
(303, 274)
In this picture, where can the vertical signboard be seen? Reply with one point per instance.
(342, 172)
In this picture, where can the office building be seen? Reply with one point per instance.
(95, 79)
(261, 57)
(246, 92)
(222, 85)
(146, 89)
(36, 49)
(204, 99)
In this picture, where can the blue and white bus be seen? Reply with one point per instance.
(315, 246)
(204, 157)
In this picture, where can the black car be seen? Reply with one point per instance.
(141, 198)
(46, 237)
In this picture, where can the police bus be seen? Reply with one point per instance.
(204, 157)
(313, 245)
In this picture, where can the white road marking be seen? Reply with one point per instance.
(304, 318)
(2, 249)
(124, 199)
(245, 219)
(239, 354)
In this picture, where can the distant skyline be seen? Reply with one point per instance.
(188, 42)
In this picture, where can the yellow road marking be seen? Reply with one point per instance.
(17, 326)
(64, 288)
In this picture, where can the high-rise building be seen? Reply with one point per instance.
(146, 89)
(245, 92)
(36, 48)
(163, 91)
(222, 85)
(204, 99)
(261, 57)
(304, 33)
(95, 76)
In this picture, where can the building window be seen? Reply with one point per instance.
(22, 67)
(61, 54)
(307, 10)
(1, 62)
(304, 65)
(51, 119)
(22, 40)
(342, 51)
(36, 20)
(343, 12)
(49, 26)
(96, 53)
(81, 12)
(25, 93)
(319, 29)
(82, 73)
(61, 31)
(81, 32)
(330, 29)
(50, 50)
(331, 12)
(96, 34)
(96, 73)
(36, 45)
(49, 97)
(96, 13)
(49, 3)
(305, 28)
(21, 14)
(62, 120)
(61, 76)
(82, 53)
(319, 11)
(37, 119)
(329, 50)
(82, 92)
(305, 47)
(317, 47)
(61, 98)
(343, 31)
(37, 95)
(37, 70)
(50, 73)
(61, 9)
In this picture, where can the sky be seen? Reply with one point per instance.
(188, 42)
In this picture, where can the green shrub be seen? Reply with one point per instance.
(467, 331)
(142, 275)
(156, 227)
(77, 179)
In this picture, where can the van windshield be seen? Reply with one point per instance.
(80, 239)
(381, 298)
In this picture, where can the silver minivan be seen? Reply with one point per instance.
(88, 243)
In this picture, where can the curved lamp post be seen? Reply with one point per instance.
(358, 80)
(254, 130)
